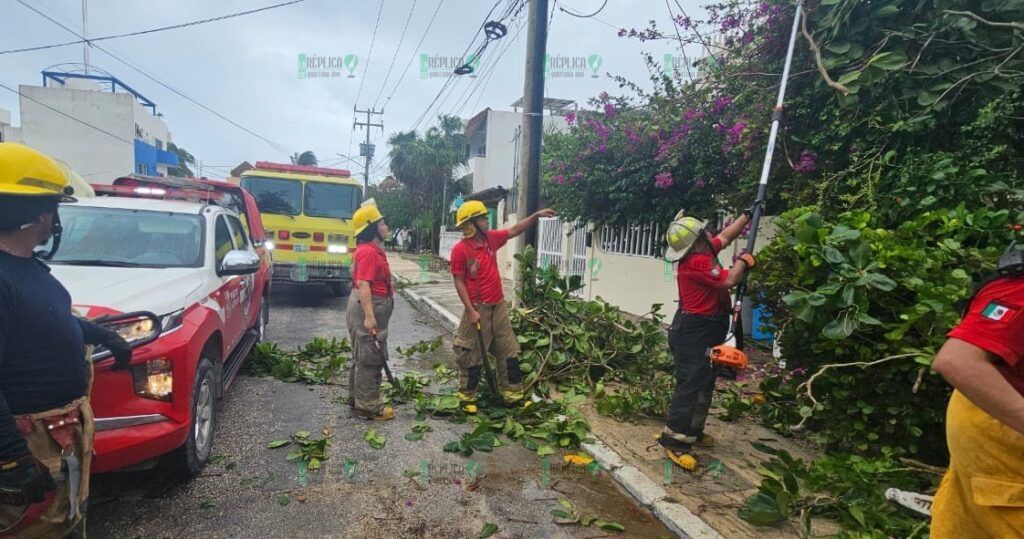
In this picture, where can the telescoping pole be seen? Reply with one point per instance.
(762, 187)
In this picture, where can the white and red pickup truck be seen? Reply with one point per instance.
(194, 265)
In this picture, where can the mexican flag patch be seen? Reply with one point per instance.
(996, 311)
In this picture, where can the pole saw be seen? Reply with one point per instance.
(733, 356)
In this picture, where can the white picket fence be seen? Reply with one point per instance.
(633, 239)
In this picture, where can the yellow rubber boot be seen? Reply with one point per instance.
(386, 414)
(512, 397)
(467, 401)
(685, 461)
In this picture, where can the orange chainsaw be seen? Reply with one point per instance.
(728, 356)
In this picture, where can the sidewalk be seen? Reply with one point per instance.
(430, 289)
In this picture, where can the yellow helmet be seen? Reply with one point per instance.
(469, 210)
(28, 172)
(682, 234)
(366, 215)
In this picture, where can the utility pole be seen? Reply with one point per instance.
(85, 34)
(532, 123)
(366, 149)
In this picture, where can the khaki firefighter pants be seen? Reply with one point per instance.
(499, 340)
(982, 493)
(49, 518)
(364, 377)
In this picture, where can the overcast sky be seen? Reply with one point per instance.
(247, 68)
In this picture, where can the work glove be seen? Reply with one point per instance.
(24, 481)
(748, 259)
(121, 350)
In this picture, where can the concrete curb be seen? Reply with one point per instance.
(433, 309)
(645, 491)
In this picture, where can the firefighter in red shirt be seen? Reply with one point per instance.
(700, 323)
(474, 266)
(368, 313)
(982, 493)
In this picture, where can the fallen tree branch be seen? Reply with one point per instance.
(817, 58)
(994, 24)
(807, 385)
(918, 465)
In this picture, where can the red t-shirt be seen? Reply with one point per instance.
(995, 323)
(371, 265)
(478, 264)
(701, 282)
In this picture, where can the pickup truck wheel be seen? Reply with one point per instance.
(190, 459)
(341, 289)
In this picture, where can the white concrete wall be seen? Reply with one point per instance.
(97, 157)
(634, 283)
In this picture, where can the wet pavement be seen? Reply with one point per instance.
(252, 491)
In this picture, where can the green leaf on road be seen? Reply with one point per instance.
(284, 500)
(208, 504)
(488, 530)
(411, 473)
(301, 434)
(375, 439)
(278, 443)
(609, 525)
(414, 436)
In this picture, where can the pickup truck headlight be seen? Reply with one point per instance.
(337, 249)
(172, 321)
(153, 379)
(135, 330)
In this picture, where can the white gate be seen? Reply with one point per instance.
(549, 242)
(567, 252)
(578, 257)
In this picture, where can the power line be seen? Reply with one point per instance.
(574, 14)
(485, 78)
(413, 55)
(394, 57)
(151, 30)
(62, 113)
(276, 146)
(491, 73)
(369, 55)
(451, 76)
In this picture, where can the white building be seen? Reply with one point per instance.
(494, 136)
(97, 124)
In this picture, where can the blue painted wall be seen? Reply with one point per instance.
(147, 157)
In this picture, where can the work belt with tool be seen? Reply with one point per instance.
(61, 440)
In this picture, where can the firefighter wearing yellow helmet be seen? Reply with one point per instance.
(369, 311)
(485, 318)
(700, 323)
(46, 424)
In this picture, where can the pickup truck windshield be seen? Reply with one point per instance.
(116, 237)
(281, 197)
(332, 200)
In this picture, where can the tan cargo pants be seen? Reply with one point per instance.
(499, 340)
(364, 377)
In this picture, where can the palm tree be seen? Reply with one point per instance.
(425, 164)
(184, 160)
(307, 158)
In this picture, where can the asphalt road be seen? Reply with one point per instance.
(252, 491)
